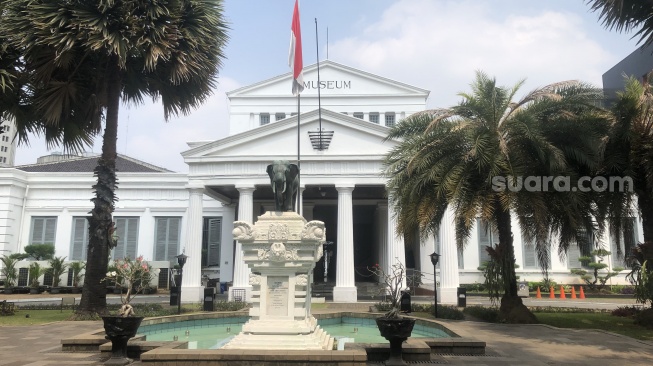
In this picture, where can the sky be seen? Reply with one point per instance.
(436, 45)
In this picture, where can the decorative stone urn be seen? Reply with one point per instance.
(396, 331)
(281, 249)
(119, 330)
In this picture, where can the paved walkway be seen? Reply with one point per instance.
(517, 345)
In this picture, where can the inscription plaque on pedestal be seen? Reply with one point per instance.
(277, 296)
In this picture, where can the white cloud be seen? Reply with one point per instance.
(439, 45)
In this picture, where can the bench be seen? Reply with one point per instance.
(67, 301)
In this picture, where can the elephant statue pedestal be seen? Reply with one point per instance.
(281, 249)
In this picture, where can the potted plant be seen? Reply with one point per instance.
(9, 272)
(58, 266)
(77, 268)
(128, 274)
(392, 326)
(35, 272)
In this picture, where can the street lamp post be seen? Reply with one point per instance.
(435, 257)
(181, 260)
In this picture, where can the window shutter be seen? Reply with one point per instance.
(484, 240)
(37, 230)
(131, 237)
(530, 255)
(79, 239)
(173, 237)
(50, 230)
(119, 250)
(572, 257)
(161, 239)
(215, 236)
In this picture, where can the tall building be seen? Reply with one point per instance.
(637, 64)
(7, 144)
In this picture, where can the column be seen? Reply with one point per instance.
(382, 228)
(396, 252)
(345, 289)
(191, 290)
(427, 247)
(227, 240)
(241, 271)
(300, 200)
(449, 277)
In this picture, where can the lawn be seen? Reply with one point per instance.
(35, 317)
(603, 321)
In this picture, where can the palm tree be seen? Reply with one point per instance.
(629, 153)
(82, 58)
(455, 158)
(627, 15)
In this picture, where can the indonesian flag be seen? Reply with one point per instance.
(295, 55)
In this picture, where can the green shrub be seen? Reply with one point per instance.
(645, 318)
(474, 287)
(625, 311)
(230, 305)
(444, 312)
(483, 313)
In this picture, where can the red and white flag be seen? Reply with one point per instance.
(295, 56)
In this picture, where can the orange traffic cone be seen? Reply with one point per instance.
(552, 293)
(573, 292)
(562, 292)
(582, 293)
(539, 294)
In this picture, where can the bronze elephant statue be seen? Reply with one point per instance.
(284, 178)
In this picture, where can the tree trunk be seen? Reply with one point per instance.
(512, 308)
(645, 205)
(94, 294)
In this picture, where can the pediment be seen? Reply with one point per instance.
(351, 137)
(335, 79)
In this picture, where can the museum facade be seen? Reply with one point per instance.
(341, 141)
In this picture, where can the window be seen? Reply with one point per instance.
(127, 232)
(390, 119)
(48, 279)
(374, 117)
(44, 230)
(581, 249)
(166, 238)
(530, 255)
(358, 115)
(627, 243)
(345, 113)
(79, 239)
(279, 116)
(487, 237)
(264, 118)
(22, 277)
(211, 240)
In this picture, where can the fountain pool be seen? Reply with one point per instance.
(212, 333)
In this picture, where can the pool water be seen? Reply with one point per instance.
(213, 333)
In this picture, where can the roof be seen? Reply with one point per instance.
(124, 164)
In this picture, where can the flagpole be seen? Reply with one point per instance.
(299, 167)
(319, 102)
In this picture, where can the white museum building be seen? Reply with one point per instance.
(161, 213)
